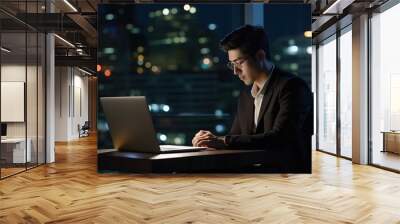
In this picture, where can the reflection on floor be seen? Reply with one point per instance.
(386, 159)
(10, 169)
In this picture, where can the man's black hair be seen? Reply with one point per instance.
(249, 39)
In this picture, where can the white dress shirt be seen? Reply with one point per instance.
(258, 94)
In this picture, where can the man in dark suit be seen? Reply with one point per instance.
(275, 110)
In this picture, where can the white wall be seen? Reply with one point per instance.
(16, 73)
(33, 127)
(61, 103)
(71, 102)
(11, 73)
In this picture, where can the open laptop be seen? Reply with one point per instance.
(131, 127)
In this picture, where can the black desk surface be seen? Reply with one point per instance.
(209, 160)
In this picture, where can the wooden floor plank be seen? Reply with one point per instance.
(71, 191)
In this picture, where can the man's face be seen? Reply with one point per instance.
(244, 66)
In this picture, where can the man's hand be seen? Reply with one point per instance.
(207, 139)
(199, 136)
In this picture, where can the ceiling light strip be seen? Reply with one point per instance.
(70, 5)
(331, 7)
(86, 72)
(5, 49)
(64, 40)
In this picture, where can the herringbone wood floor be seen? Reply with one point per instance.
(70, 191)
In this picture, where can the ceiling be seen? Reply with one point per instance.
(76, 20)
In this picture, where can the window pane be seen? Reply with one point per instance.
(314, 90)
(171, 55)
(385, 84)
(345, 94)
(327, 96)
(290, 47)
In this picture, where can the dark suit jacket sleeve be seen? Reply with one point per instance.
(294, 104)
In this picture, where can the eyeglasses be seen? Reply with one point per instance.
(236, 63)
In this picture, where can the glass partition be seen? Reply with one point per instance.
(22, 90)
(15, 149)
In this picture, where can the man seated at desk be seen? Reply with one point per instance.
(274, 112)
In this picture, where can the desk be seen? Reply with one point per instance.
(13, 150)
(202, 161)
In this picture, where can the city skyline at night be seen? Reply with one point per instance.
(170, 54)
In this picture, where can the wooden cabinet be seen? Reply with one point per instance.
(391, 141)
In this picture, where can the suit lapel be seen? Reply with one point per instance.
(250, 112)
(267, 96)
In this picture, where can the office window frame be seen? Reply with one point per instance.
(318, 77)
(337, 35)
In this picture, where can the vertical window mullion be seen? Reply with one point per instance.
(338, 98)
